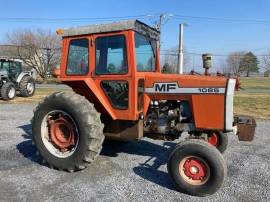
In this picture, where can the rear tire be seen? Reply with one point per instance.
(215, 138)
(8, 91)
(83, 127)
(220, 140)
(27, 86)
(197, 168)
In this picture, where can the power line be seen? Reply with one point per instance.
(228, 20)
(224, 55)
(163, 18)
(51, 20)
(174, 52)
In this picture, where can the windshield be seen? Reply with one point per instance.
(145, 53)
(11, 66)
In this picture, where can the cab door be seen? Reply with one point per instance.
(112, 73)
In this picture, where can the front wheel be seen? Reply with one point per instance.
(8, 91)
(197, 168)
(67, 131)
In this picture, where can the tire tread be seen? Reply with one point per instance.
(91, 124)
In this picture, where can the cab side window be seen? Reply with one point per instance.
(111, 55)
(16, 66)
(78, 55)
(145, 53)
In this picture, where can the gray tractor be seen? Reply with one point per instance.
(13, 79)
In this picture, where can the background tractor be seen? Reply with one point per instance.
(120, 93)
(13, 79)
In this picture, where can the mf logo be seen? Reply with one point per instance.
(165, 87)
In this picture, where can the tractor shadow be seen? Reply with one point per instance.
(149, 169)
(26, 148)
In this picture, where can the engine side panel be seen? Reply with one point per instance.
(208, 111)
(206, 96)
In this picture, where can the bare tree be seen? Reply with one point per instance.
(38, 49)
(266, 61)
(223, 67)
(170, 59)
(234, 63)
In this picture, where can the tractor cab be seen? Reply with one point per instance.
(112, 60)
(12, 67)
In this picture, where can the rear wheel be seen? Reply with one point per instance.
(215, 138)
(67, 131)
(197, 168)
(8, 91)
(219, 140)
(27, 86)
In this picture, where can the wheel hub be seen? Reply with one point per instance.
(30, 88)
(11, 92)
(195, 169)
(61, 132)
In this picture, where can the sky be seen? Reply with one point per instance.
(227, 26)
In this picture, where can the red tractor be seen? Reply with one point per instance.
(120, 93)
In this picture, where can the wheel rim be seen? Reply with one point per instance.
(194, 170)
(213, 139)
(59, 133)
(11, 93)
(30, 88)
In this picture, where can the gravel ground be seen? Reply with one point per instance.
(134, 171)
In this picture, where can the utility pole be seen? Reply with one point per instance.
(163, 18)
(180, 50)
(159, 24)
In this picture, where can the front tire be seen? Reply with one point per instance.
(197, 168)
(27, 86)
(8, 91)
(67, 131)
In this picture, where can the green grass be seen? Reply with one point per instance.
(259, 83)
(254, 99)
(253, 105)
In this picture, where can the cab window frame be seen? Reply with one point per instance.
(88, 58)
(125, 55)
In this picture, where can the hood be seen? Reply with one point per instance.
(186, 81)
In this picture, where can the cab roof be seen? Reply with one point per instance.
(135, 25)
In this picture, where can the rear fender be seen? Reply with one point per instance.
(21, 75)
